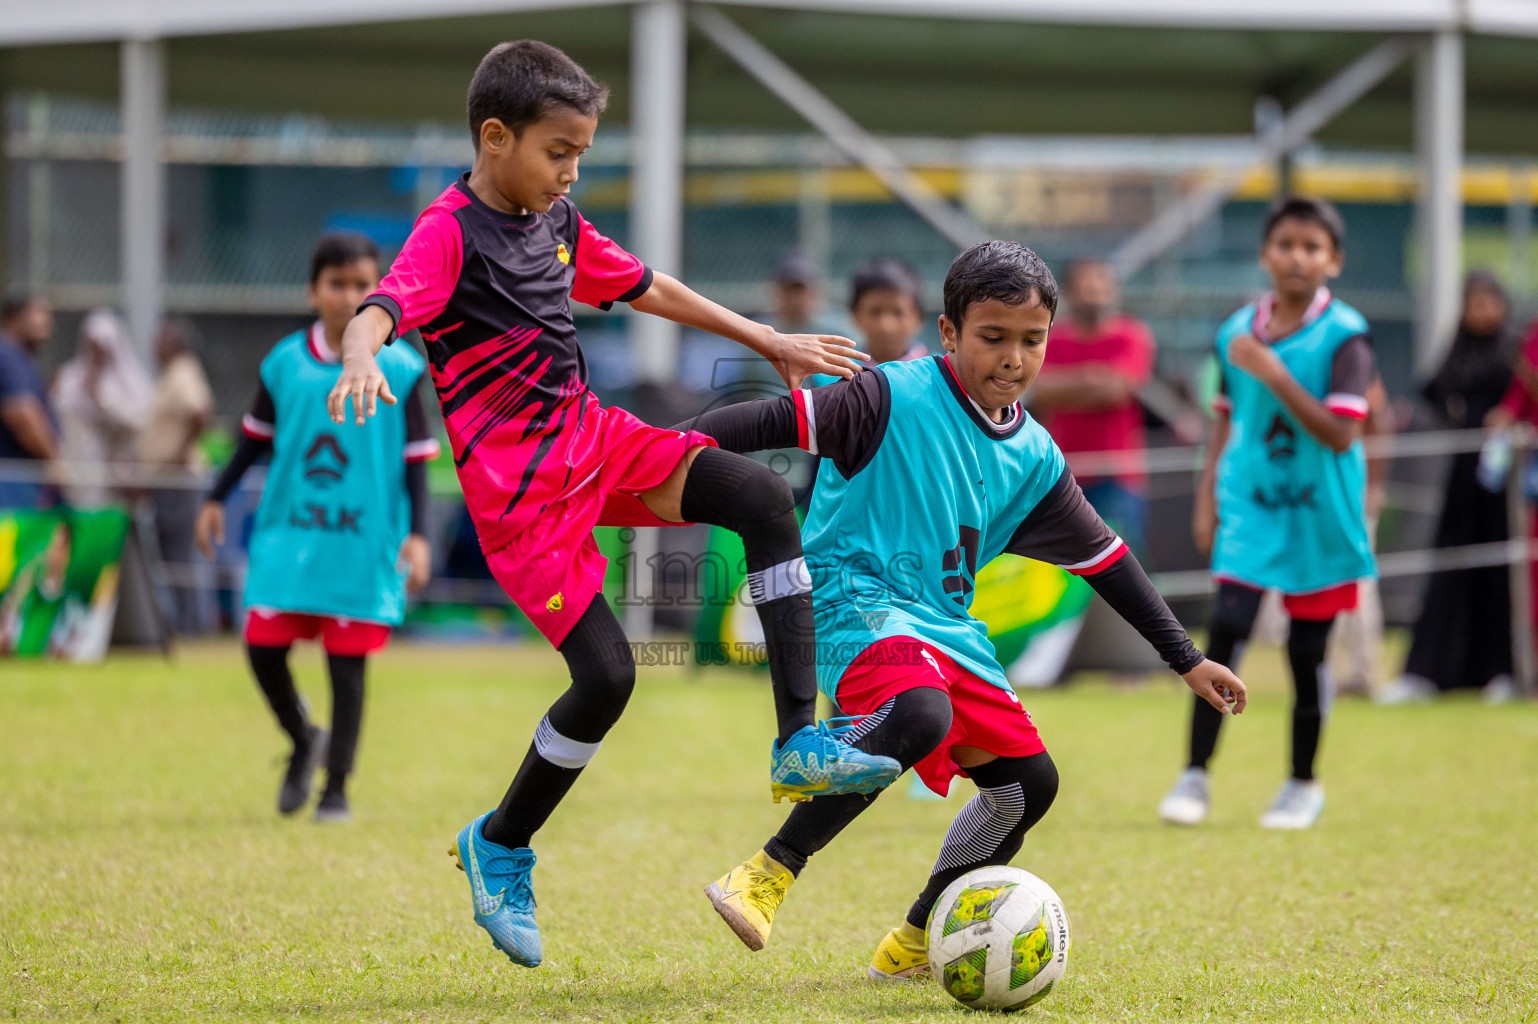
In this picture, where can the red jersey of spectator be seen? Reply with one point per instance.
(1124, 345)
(1518, 400)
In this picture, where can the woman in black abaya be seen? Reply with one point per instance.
(1462, 638)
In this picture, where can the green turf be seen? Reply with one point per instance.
(145, 876)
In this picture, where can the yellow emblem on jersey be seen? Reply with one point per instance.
(554, 604)
(562, 255)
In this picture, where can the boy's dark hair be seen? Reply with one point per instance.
(887, 275)
(520, 82)
(340, 248)
(1006, 271)
(1313, 211)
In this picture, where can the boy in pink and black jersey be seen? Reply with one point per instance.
(488, 275)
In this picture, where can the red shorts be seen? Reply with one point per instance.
(1316, 605)
(983, 715)
(348, 637)
(552, 568)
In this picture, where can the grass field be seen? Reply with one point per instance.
(145, 876)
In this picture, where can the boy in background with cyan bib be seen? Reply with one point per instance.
(1280, 500)
(343, 510)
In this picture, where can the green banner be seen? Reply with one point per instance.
(58, 581)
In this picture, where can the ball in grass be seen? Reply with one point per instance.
(998, 939)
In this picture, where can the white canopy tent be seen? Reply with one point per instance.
(152, 34)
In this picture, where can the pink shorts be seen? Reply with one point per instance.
(552, 568)
(985, 716)
(348, 637)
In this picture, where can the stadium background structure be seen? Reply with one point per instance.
(181, 156)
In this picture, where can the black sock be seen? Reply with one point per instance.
(907, 728)
(346, 718)
(1013, 793)
(602, 677)
(1233, 617)
(270, 666)
(1306, 644)
(747, 497)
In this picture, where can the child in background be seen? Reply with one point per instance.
(886, 303)
(343, 507)
(1280, 503)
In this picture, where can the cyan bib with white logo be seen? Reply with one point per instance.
(894, 550)
(334, 512)
(1290, 510)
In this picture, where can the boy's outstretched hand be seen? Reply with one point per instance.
(799, 356)
(1217, 686)
(364, 382)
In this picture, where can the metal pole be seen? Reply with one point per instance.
(143, 192)
(1300, 124)
(840, 129)
(39, 202)
(1519, 228)
(1439, 142)
(658, 67)
(1520, 568)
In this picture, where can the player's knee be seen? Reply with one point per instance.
(1041, 783)
(609, 682)
(732, 490)
(924, 717)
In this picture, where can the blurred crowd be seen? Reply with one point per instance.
(109, 429)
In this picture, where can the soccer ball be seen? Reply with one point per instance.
(998, 939)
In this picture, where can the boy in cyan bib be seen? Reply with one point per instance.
(1280, 504)
(342, 511)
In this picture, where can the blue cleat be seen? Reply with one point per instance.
(501, 891)
(818, 761)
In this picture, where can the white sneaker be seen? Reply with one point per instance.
(1501, 689)
(1407, 689)
(1297, 805)
(1187, 803)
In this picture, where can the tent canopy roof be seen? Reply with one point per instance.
(1179, 67)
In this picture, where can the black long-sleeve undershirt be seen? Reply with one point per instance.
(1063, 529)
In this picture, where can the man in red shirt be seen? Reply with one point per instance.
(1086, 396)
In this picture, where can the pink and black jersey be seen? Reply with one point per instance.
(491, 293)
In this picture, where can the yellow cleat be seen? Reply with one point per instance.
(747, 896)
(903, 954)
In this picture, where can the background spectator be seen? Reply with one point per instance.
(27, 427)
(102, 396)
(796, 291)
(1086, 396)
(886, 303)
(180, 409)
(1462, 637)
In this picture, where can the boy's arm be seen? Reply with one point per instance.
(1335, 422)
(604, 273)
(843, 421)
(795, 356)
(257, 429)
(1204, 514)
(417, 288)
(1064, 530)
